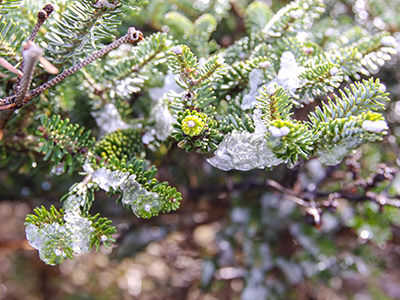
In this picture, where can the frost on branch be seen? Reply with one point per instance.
(375, 126)
(109, 120)
(160, 114)
(335, 155)
(255, 80)
(107, 179)
(142, 202)
(289, 73)
(242, 150)
(56, 241)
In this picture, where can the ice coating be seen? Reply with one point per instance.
(51, 240)
(255, 80)
(160, 113)
(158, 93)
(163, 119)
(335, 155)
(289, 73)
(107, 179)
(242, 150)
(109, 120)
(375, 126)
(140, 200)
(278, 132)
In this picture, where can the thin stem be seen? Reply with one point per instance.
(289, 194)
(41, 18)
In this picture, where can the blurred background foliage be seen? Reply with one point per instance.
(233, 238)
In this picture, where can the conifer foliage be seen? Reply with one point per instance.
(173, 85)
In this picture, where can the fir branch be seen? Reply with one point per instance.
(360, 97)
(275, 104)
(293, 17)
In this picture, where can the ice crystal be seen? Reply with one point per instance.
(278, 132)
(255, 80)
(138, 198)
(389, 41)
(104, 3)
(177, 50)
(160, 114)
(334, 71)
(264, 64)
(58, 169)
(107, 179)
(141, 201)
(53, 240)
(163, 119)
(335, 155)
(242, 150)
(375, 126)
(72, 204)
(289, 73)
(108, 119)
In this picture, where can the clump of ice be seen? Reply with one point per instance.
(138, 198)
(52, 240)
(177, 50)
(163, 119)
(134, 195)
(109, 120)
(278, 132)
(375, 126)
(104, 3)
(107, 179)
(255, 80)
(389, 41)
(335, 155)
(289, 73)
(58, 169)
(242, 150)
(158, 93)
(160, 114)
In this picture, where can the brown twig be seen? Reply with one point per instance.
(133, 36)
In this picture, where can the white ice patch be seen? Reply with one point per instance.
(242, 150)
(158, 93)
(163, 119)
(375, 126)
(133, 194)
(51, 238)
(160, 114)
(138, 198)
(335, 155)
(255, 80)
(107, 179)
(109, 120)
(289, 72)
(278, 132)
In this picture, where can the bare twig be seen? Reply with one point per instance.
(133, 36)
